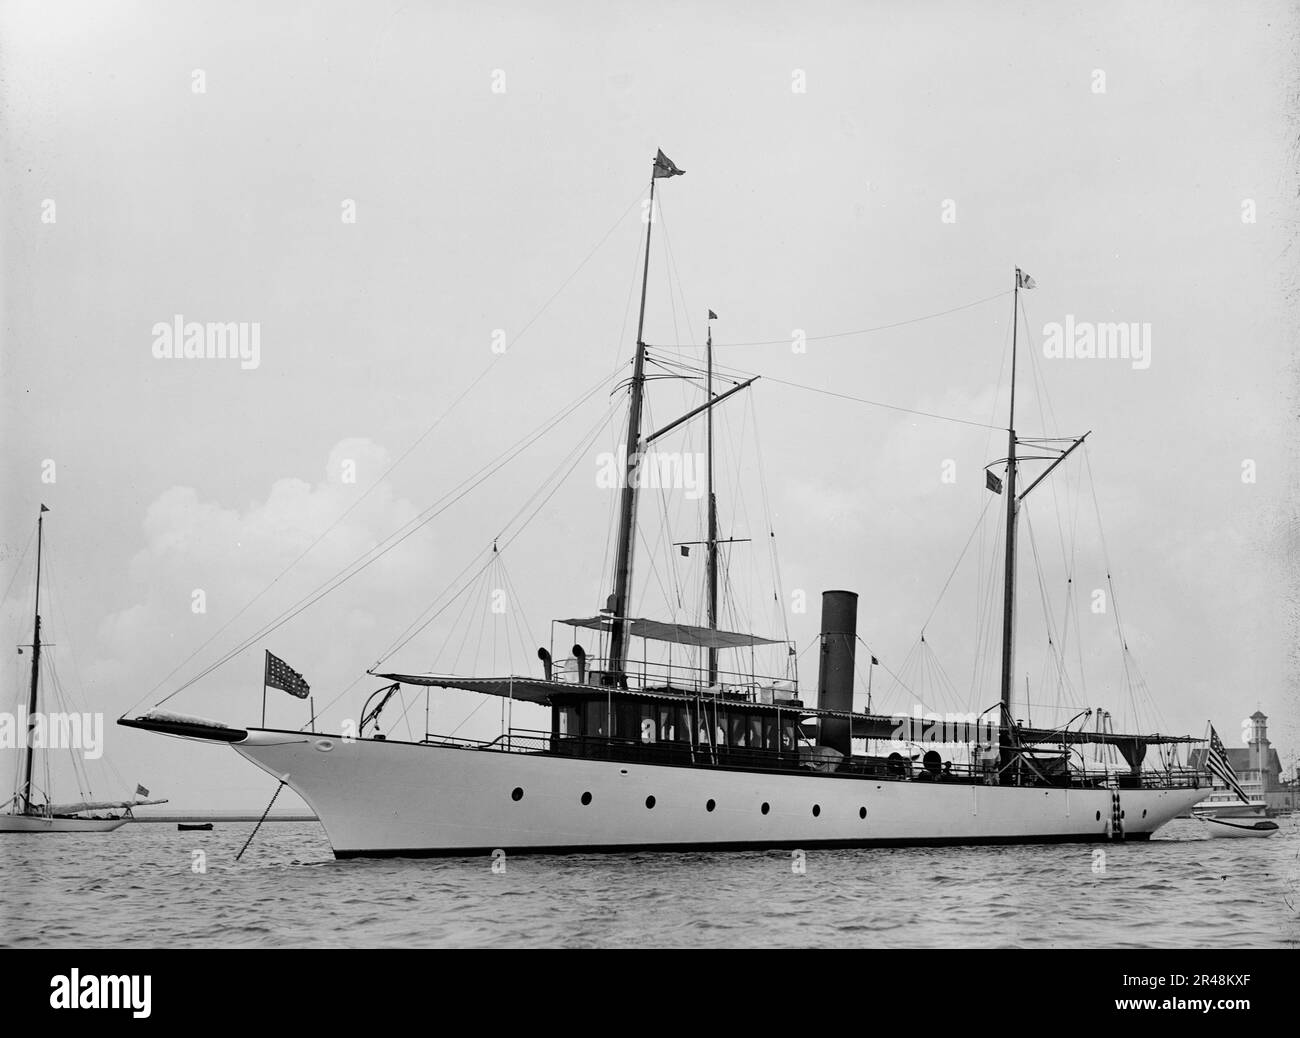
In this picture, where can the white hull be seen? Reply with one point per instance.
(1242, 828)
(377, 798)
(39, 824)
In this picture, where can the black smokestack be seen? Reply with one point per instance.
(835, 676)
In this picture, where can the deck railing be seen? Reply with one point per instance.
(745, 686)
(521, 740)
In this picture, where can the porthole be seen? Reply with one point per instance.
(710, 805)
(586, 799)
(518, 793)
(817, 810)
(1144, 812)
(1099, 816)
(650, 801)
(1121, 814)
(862, 812)
(766, 807)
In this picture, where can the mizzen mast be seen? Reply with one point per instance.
(712, 564)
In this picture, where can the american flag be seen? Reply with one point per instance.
(1216, 760)
(280, 675)
(140, 791)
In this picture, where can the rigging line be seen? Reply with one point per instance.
(402, 637)
(676, 276)
(456, 623)
(1057, 649)
(627, 304)
(858, 331)
(778, 590)
(491, 365)
(22, 558)
(1114, 604)
(397, 537)
(878, 403)
(577, 457)
(596, 248)
(648, 550)
(953, 572)
(1042, 397)
(520, 614)
(471, 599)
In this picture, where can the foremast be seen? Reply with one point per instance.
(617, 605)
(30, 754)
(1009, 560)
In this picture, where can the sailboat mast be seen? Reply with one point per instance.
(616, 670)
(1009, 586)
(713, 511)
(36, 664)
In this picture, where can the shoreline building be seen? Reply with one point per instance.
(1259, 768)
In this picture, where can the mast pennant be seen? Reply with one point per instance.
(664, 167)
(1023, 280)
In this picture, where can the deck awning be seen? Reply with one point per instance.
(528, 690)
(537, 690)
(679, 634)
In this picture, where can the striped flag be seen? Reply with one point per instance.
(140, 791)
(1216, 761)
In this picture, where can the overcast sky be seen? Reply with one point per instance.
(848, 166)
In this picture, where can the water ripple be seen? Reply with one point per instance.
(138, 887)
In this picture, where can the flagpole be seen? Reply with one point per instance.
(312, 701)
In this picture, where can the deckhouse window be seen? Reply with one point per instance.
(566, 720)
(594, 723)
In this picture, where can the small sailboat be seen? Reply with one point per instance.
(1235, 828)
(26, 812)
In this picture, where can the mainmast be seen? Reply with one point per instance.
(616, 669)
(36, 663)
(712, 564)
(1009, 586)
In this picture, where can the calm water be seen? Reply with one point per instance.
(136, 887)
